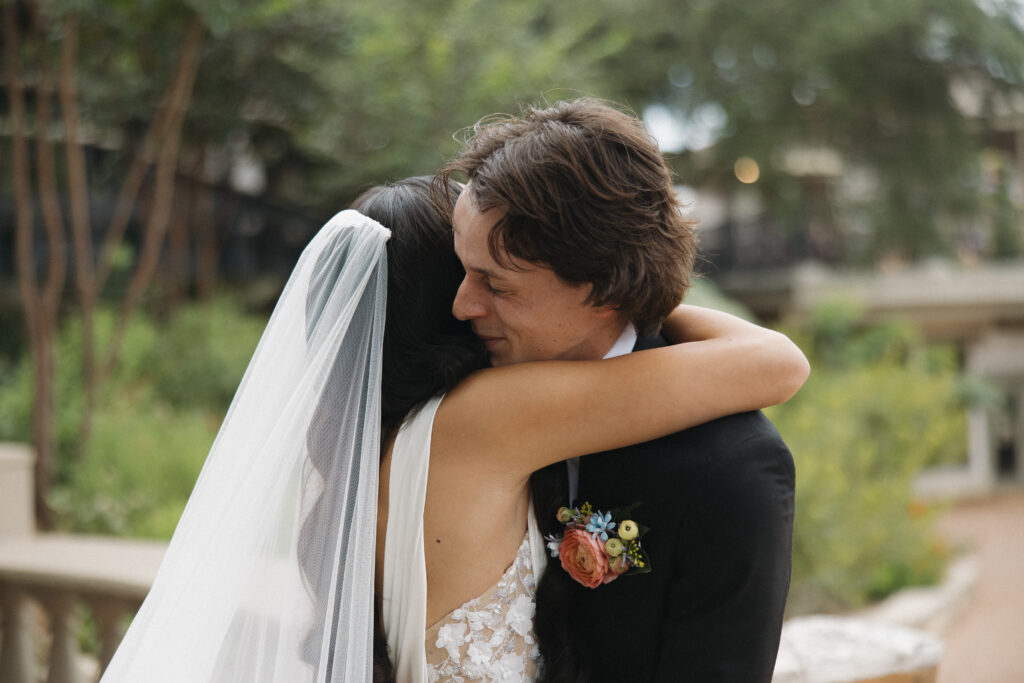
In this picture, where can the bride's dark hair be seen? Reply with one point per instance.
(426, 350)
(559, 643)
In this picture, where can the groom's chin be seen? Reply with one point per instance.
(497, 351)
(497, 360)
(501, 357)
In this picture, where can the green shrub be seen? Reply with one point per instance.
(201, 355)
(15, 402)
(877, 409)
(138, 469)
(156, 416)
(703, 292)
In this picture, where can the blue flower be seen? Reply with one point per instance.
(600, 524)
(554, 543)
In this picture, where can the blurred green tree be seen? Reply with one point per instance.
(898, 96)
(314, 98)
(122, 76)
(319, 99)
(414, 73)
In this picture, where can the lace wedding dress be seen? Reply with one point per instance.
(490, 638)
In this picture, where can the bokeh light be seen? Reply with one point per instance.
(746, 170)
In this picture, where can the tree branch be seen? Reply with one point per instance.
(78, 188)
(46, 168)
(160, 211)
(28, 287)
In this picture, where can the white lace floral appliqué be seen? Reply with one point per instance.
(490, 638)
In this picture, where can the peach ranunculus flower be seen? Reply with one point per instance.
(583, 557)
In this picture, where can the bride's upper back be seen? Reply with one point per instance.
(474, 521)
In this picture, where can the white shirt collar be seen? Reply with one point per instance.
(625, 343)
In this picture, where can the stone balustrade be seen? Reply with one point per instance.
(47, 581)
(58, 576)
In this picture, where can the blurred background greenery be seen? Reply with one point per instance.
(166, 161)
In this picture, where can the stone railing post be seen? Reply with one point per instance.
(108, 618)
(17, 659)
(16, 481)
(62, 574)
(17, 663)
(64, 646)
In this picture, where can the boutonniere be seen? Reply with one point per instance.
(598, 547)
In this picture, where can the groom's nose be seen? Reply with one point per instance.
(468, 303)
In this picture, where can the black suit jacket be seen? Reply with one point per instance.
(718, 499)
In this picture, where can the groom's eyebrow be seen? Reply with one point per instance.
(488, 272)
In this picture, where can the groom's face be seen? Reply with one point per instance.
(526, 312)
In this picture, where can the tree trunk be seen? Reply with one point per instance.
(81, 230)
(205, 238)
(39, 303)
(178, 248)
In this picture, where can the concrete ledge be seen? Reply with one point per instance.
(931, 608)
(825, 649)
(91, 564)
(894, 641)
(952, 484)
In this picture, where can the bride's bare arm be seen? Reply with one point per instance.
(519, 418)
(693, 323)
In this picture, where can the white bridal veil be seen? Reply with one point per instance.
(269, 575)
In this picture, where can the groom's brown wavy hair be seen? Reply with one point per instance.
(588, 194)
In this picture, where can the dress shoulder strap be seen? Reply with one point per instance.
(404, 594)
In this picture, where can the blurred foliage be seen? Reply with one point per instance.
(875, 82)
(138, 469)
(703, 292)
(878, 408)
(411, 74)
(156, 422)
(196, 360)
(329, 98)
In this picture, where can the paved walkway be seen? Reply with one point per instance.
(985, 642)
